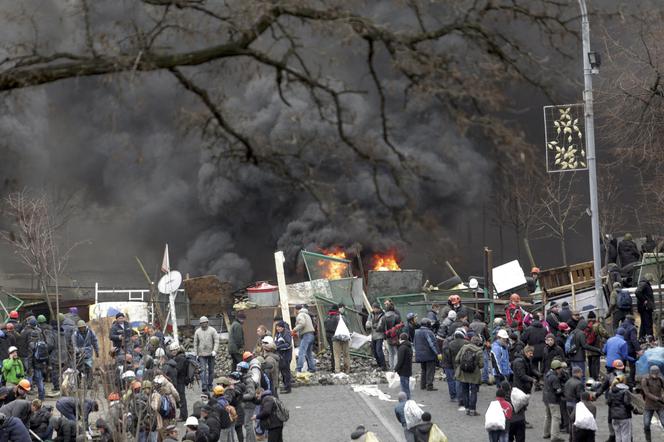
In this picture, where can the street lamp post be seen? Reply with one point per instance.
(588, 70)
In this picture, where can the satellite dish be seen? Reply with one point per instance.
(170, 282)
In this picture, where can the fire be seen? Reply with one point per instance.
(385, 262)
(333, 269)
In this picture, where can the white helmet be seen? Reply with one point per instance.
(267, 339)
(502, 333)
(174, 346)
(192, 421)
(203, 319)
(128, 374)
(159, 352)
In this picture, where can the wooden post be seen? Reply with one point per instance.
(571, 281)
(529, 252)
(449, 266)
(279, 260)
(488, 282)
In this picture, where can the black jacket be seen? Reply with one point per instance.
(13, 430)
(267, 415)
(404, 366)
(39, 422)
(535, 335)
(645, 297)
(181, 366)
(421, 431)
(213, 423)
(620, 402)
(628, 252)
(171, 371)
(553, 319)
(552, 388)
(19, 408)
(565, 314)
(524, 374)
(331, 323)
(65, 429)
(118, 332)
(579, 340)
(572, 389)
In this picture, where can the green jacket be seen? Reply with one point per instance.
(476, 376)
(235, 338)
(12, 370)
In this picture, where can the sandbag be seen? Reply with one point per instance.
(341, 333)
(519, 399)
(392, 379)
(583, 418)
(413, 413)
(494, 418)
(436, 434)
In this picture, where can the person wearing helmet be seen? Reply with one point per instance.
(85, 343)
(162, 387)
(249, 387)
(236, 338)
(502, 370)
(206, 342)
(12, 368)
(120, 333)
(444, 329)
(13, 318)
(514, 313)
(411, 325)
(41, 343)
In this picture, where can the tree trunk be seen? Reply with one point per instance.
(563, 251)
(47, 298)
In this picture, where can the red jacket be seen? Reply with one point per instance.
(514, 315)
(507, 408)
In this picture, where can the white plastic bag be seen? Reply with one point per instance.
(494, 419)
(357, 340)
(583, 418)
(341, 333)
(392, 379)
(413, 413)
(519, 399)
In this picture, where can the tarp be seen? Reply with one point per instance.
(653, 356)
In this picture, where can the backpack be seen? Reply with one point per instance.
(166, 408)
(570, 345)
(280, 410)
(193, 368)
(41, 351)
(393, 334)
(624, 301)
(232, 412)
(591, 336)
(468, 364)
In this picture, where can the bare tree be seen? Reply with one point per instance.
(435, 52)
(560, 209)
(34, 236)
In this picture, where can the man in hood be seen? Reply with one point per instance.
(577, 353)
(633, 346)
(627, 250)
(653, 393)
(404, 366)
(304, 328)
(645, 304)
(236, 338)
(422, 430)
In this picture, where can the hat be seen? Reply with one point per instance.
(281, 324)
(243, 365)
(13, 314)
(61, 317)
(620, 331)
(12, 349)
(24, 384)
(191, 421)
(553, 304)
(502, 333)
(477, 340)
(535, 270)
(203, 319)
(32, 322)
(298, 306)
(592, 315)
(267, 339)
(563, 326)
(128, 374)
(411, 315)
(247, 355)
(240, 315)
(171, 428)
(374, 305)
(146, 385)
(563, 364)
(73, 310)
(113, 397)
(206, 408)
(452, 314)
(565, 304)
(81, 323)
(119, 315)
(236, 376)
(460, 332)
(654, 369)
(556, 364)
(224, 381)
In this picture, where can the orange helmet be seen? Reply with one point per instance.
(454, 299)
(247, 355)
(618, 364)
(535, 270)
(24, 384)
(113, 397)
(515, 298)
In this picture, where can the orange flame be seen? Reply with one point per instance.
(385, 262)
(333, 269)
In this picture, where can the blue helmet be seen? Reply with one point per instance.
(410, 316)
(243, 366)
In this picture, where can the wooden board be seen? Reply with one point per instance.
(102, 327)
(208, 296)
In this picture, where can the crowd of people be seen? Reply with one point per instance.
(557, 352)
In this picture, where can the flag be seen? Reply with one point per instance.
(165, 263)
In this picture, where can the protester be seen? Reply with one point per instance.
(304, 328)
(13, 430)
(404, 366)
(553, 392)
(392, 326)
(525, 374)
(620, 406)
(468, 372)
(443, 330)
(499, 435)
(412, 325)
(501, 357)
(576, 347)
(236, 338)
(553, 317)
(120, 333)
(633, 347)
(627, 250)
(71, 408)
(284, 342)
(426, 353)
(269, 417)
(331, 323)
(572, 390)
(645, 304)
(375, 323)
(617, 313)
(206, 342)
(535, 335)
(596, 336)
(652, 387)
(579, 434)
(616, 348)
(422, 430)
(39, 420)
(514, 313)
(84, 344)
